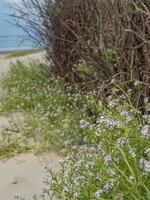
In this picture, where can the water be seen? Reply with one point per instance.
(11, 37)
(14, 42)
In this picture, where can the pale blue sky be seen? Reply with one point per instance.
(7, 28)
(11, 37)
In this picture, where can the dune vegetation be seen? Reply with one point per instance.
(90, 102)
(19, 53)
(106, 147)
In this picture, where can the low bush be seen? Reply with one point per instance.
(113, 163)
(111, 36)
(107, 146)
(50, 107)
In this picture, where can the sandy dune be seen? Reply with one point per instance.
(23, 174)
(5, 63)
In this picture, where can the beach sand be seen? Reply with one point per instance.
(23, 174)
(6, 62)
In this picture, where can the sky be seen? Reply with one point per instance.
(11, 36)
(7, 28)
(12, 1)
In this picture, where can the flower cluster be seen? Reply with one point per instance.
(107, 147)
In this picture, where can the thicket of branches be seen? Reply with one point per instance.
(110, 38)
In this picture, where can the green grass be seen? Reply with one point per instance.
(52, 109)
(107, 146)
(20, 53)
(10, 146)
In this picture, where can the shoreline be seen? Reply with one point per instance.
(18, 53)
(20, 50)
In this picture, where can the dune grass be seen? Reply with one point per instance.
(19, 53)
(51, 106)
(107, 147)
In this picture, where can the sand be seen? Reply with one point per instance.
(6, 62)
(23, 174)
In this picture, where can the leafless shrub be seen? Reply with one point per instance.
(125, 28)
(113, 37)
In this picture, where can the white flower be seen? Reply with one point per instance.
(83, 148)
(113, 81)
(79, 179)
(112, 104)
(74, 147)
(109, 185)
(66, 189)
(146, 100)
(142, 161)
(76, 194)
(146, 131)
(90, 165)
(131, 178)
(98, 177)
(98, 193)
(127, 115)
(91, 174)
(132, 153)
(79, 163)
(121, 142)
(83, 123)
(148, 153)
(108, 121)
(137, 83)
(67, 142)
(147, 117)
(61, 161)
(112, 172)
(107, 159)
(145, 164)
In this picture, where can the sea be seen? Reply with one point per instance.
(11, 36)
